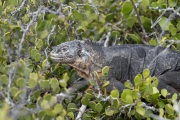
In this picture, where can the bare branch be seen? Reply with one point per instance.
(106, 43)
(167, 21)
(144, 40)
(20, 7)
(81, 111)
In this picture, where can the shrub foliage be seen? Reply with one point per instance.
(31, 84)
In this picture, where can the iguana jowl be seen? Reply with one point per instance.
(125, 62)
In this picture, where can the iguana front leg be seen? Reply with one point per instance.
(78, 86)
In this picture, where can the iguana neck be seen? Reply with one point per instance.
(85, 68)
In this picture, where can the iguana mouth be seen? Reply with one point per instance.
(56, 56)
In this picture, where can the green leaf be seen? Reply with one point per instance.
(44, 63)
(155, 82)
(52, 100)
(161, 104)
(169, 109)
(98, 107)
(49, 112)
(174, 97)
(136, 94)
(33, 53)
(47, 97)
(115, 93)
(44, 104)
(109, 17)
(77, 15)
(144, 3)
(164, 23)
(155, 90)
(109, 112)
(34, 76)
(20, 82)
(65, 76)
(164, 92)
(4, 79)
(14, 91)
(1, 52)
(85, 101)
(127, 7)
(178, 25)
(38, 57)
(128, 84)
(105, 71)
(36, 95)
(125, 93)
(173, 31)
(105, 84)
(131, 21)
(139, 104)
(60, 118)
(161, 112)
(140, 110)
(172, 3)
(80, 29)
(134, 37)
(44, 84)
(39, 43)
(58, 108)
(146, 73)
(72, 4)
(63, 83)
(115, 102)
(129, 99)
(138, 79)
(42, 26)
(88, 96)
(54, 83)
(32, 83)
(71, 107)
(153, 42)
(71, 115)
(92, 105)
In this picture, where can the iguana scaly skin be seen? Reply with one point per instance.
(124, 61)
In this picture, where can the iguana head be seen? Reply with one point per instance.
(83, 56)
(67, 52)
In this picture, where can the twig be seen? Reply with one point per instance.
(81, 111)
(125, 106)
(166, 9)
(106, 43)
(20, 7)
(144, 40)
(97, 87)
(92, 5)
(167, 21)
(149, 107)
(177, 109)
(13, 71)
(158, 19)
(158, 117)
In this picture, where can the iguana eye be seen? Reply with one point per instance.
(64, 49)
(79, 53)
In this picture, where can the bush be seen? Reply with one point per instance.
(30, 82)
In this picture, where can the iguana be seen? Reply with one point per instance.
(124, 61)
